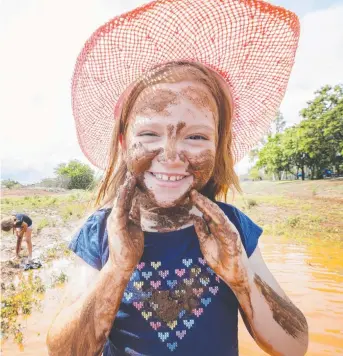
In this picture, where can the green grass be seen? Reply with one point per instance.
(37, 202)
(295, 210)
(73, 211)
(42, 224)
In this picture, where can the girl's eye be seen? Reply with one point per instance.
(197, 137)
(147, 134)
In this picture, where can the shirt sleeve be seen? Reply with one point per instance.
(248, 230)
(87, 242)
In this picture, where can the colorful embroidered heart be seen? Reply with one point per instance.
(198, 311)
(217, 279)
(155, 325)
(156, 264)
(163, 274)
(180, 272)
(188, 281)
(181, 334)
(213, 290)
(146, 315)
(163, 336)
(172, 283)
(202, 261)
(146, 275)
(204, 281)
(128, 296)
(198, 291)
(163, 302)
(172, 346)
(141, 265)
(172, 324)
(138, 305)
(138, 285)
(206, 301)
(188, 323)
(188, 262)
(195, 271)
(155, 284)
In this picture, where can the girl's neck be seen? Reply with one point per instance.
(153, 218)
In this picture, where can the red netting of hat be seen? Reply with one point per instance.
(250, 43)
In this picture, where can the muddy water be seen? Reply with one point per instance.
(311, 274)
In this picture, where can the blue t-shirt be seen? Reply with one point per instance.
(204, 317)
(20, 218)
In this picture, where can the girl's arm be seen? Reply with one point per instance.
(274, 322)
(20, 235)
(86, 316)
(83, 326)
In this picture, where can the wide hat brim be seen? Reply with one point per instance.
(250, 43)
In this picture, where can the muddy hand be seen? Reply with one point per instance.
(219, 240)
(125, 239)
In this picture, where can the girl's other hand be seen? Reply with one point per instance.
(220, 242)
(125, 239)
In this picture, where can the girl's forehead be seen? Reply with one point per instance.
(162, 98)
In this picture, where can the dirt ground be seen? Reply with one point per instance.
(23, 192)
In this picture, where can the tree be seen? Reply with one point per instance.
(10, 183)
(271, 156)
(314, 145)
(279, 123)
(277, 126)
(78, 175)
(322, 130)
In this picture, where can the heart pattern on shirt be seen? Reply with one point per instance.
(171, 301)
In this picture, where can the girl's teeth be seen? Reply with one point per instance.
(168, 178)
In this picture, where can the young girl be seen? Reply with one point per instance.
(164, 266)
(21, 224)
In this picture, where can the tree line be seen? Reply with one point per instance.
(71, 175)
(311, 148)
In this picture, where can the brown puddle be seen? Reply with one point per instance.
(311, 274)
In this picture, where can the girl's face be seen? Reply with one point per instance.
(170, 144)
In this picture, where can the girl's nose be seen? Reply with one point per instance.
(171, 153)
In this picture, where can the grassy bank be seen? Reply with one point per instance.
(295, 209)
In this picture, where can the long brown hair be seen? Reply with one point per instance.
(224, 176)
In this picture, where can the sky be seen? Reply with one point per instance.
(42, 38)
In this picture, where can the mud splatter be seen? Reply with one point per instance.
(201, 99)
(167, 304)
(284, 312)
(155, 101)
(139, 158)
(201, 166)
(162, 219)
(179, 127)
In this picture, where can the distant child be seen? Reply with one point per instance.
(22, 226)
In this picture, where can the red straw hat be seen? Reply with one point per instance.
(250, 43)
